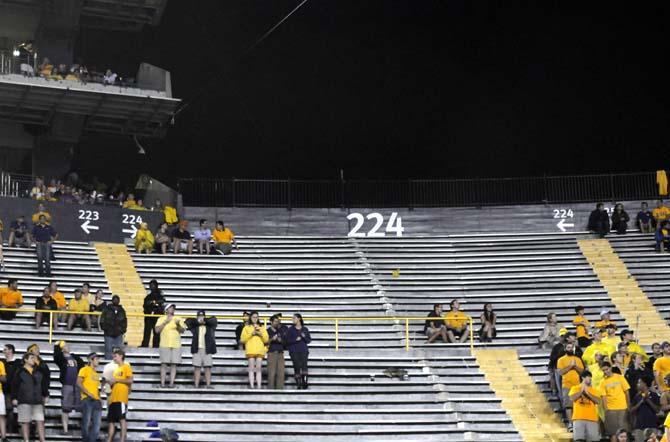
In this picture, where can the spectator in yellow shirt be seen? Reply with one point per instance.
(660, 213)
(662, 367)
(60, 301)
(170, 328)
(611, 337)
(569, 366)
(605, 320)
(585, 400)
(129, 203)
(457, 323)
(121, 383)
(224, 239)
(582, 326)
(41, 211)
(10, 297)
(632, 346)
(144, 239)
(614, 391)
(79, 304)
(598, 346)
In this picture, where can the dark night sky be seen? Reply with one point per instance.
(403, 89)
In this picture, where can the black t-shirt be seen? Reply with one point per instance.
(646, 416)
(181, 234)
(432, 314)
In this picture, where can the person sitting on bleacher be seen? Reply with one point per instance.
(182, 239)
(61, 303)
(19, 235)
(644, 219)
(41, 211)
(620, 219)
(662, 237)
(597, 346)
(144, 239)
(488, 317)
(660, 213)
(202, 236)
(224, 239)
(457, 323)
(162, 238)
(78, 304)
(549, 336)
(581, 327)
(599, 221)
(45, 302)
(10, 297)
(435, 329)
(255, 338)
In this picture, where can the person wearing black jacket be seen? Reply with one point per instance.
(11, 366)
(69, 365)
(297, 340)
(154, 304)
(29, 394)
(203, 346)
(599, 221)
(114, 324)
(557, 352)
(276, 364)
(45, 302)
(620, 220)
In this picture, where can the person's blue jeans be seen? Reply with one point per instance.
(110, 343)
(91, 412)
(43, 258)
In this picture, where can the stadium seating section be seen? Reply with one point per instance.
(446, 396)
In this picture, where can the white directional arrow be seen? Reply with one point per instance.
(562, 225)
(132, 230)
(87, 227)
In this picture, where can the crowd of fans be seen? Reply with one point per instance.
(221, 240)
(655, 221)
(603, 378)
(25, 382)
(77, 72)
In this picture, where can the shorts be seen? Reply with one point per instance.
(71, 398)
(30, 412)
(3, 410)
(457, 333)
(614, 420)
(567, 403)
(255, 356)
(202, 359)
(170, 355)
(117, 412)
(588, 431)
(430, 331)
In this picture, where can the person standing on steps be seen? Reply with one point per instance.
(276, 364)
(170, 328)
(255, 338)
(114, 324)
(154, 304)
(297, 339)
(203, 346)
(69, 365)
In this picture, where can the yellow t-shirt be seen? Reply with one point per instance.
(81, 305)
(660, 213)
(10, 298)
(90, 381)
(170, 336)
(2, 372)
(584, 409)
(582, 324)
(571, 378)
(223, 236)
(634, 347)
(60, 300)
(662, 365)
(36, 217)
(614, 389)
(456, 320)
(666, 425)
(202, 329)
(120, 391)
(603, 323)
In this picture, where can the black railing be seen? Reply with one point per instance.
(233, 192)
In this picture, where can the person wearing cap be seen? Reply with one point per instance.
(582, 326)
(69, 365)
(203, 346)
(662, 367)
(88, 381)
(170, 328)
(627, 337)
(549, 336)
(569, 367)
(277, 333)
(238, 330)
(154, 304)
(597, 346)
(121, 381)
(30, 391)
(114, 323)
(585, 400)
(614, 390)
(605, 320)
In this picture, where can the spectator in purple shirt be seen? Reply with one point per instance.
(202, 236)
(43, 236)
(297, 339)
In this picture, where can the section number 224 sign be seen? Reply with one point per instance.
(394, 225)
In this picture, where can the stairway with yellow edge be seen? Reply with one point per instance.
(529, 409)
(124, 281)
(622, 287)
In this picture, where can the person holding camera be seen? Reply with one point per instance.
(255, 338)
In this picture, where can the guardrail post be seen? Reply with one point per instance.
(337, 334)
(406, 334)
(472, 338)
